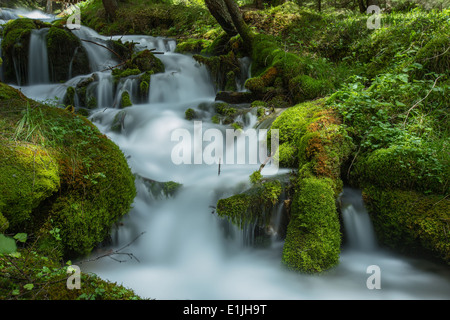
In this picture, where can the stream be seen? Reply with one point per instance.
(177, 247)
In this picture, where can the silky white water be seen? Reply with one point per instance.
(178, 247)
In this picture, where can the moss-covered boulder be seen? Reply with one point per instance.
(15, 49)
(65, 51)
(29, 175)
(313, 236)
(61, 175)
(252, 206)
(410, 221)
(293, 78)
(223, 68)
(66, 56)
(145, 61)
(405, 168)
(311, 135)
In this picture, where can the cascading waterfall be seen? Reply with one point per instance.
(185, 251)
(38, 59)
(359, 230)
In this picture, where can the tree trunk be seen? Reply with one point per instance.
(48, 7)
(219, 11)
(362, 6)
(110, 8)
(239, 23)
(319, 5)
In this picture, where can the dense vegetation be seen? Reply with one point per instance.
(357, 106)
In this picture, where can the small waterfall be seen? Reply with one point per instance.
(38, 58)
(245, 64)
(105, 89)
(100, 58)
(358, 227)
(183, 80)
(71, 63)
(185, 251)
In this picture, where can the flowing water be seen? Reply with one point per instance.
(177, 247)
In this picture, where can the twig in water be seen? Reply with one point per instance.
(111, 253)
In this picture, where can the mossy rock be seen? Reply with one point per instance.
(69, 97)
(402, 167)
(47, 279)
(410, 221)
(158, 189)
(65, 54)
(192, 46)
(253, 205)
(223, 69)
(29, 174)
(305, 87)
(15, 47)
(81, 90)
(124, 73)
(125, 100)
(313, 237)
(190, 114)
(311, 134)
(71, 177)
(146, 61)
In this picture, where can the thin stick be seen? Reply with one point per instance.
(98, 44)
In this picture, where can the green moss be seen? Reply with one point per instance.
(66, 54)
(81, 90)
(313, 236)
(4, 223)
(159, 189)
(146, 61)
(47, 280)
(305, 87)
(190, 114)
(435, 56)
(144, 87)
(171, 188)
(15, 49)
(69, 97)
(123, 73)
(235, 208)
(215, 119)
(29, 175)
(125, 100)
(222, 69)
(252, 206)
(60, 173)
(410, 221)
(118, 121)
(192, 46)
(406, 168)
